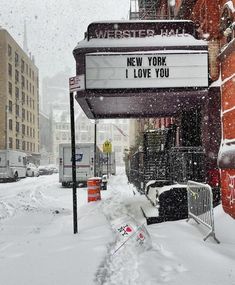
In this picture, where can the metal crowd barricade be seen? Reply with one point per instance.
(200, 206)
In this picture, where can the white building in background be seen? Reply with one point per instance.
(55, 90)
(117, 131)
(60, 126)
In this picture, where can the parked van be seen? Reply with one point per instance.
(12, 165)
(84, 163)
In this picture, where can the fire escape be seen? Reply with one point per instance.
(151, 9)
(148, 9)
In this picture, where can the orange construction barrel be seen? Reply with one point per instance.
(93, 187)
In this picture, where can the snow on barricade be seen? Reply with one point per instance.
(131, 233)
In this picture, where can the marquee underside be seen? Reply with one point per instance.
(135, 105)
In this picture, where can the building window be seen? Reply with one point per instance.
(17, 144)
(64, 136)
(16, 59)
(17, 127)
(227, 24)
(9, 69)
(16, 76)
(17, 110)
(10, 143)
(22, 81)
(101, 137)
(117, 148)
(17, 93)
(23, 129)
(10, 88)
(9, 50)
(117, 138)
(23, 113)
(84, 137)
(10, 124)
(22, 65)
(23, 97)
(27, 130)
(23, 145)
(10, 106)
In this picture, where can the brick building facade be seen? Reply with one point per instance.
(216, 24)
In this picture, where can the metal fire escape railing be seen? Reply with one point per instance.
(147, 9)
(150, 10)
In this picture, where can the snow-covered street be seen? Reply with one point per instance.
(37, 244)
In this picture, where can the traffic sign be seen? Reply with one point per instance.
(107, 147)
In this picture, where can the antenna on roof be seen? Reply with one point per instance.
(25, 42)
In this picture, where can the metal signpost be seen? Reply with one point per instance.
(74, 86)
(95, 143)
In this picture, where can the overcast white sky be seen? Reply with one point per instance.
(55, 26)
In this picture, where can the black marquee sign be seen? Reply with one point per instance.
(135, 69)
(140, 29)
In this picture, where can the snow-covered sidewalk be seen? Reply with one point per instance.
(37, 244)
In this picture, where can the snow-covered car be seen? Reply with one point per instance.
(44, 170)
(32, 170)
(54, 168)
(104, 181)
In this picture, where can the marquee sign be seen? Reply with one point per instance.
(139, 29)
(161, 69)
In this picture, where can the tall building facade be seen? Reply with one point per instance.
(19, 98)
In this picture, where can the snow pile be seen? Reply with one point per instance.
(113, 245)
